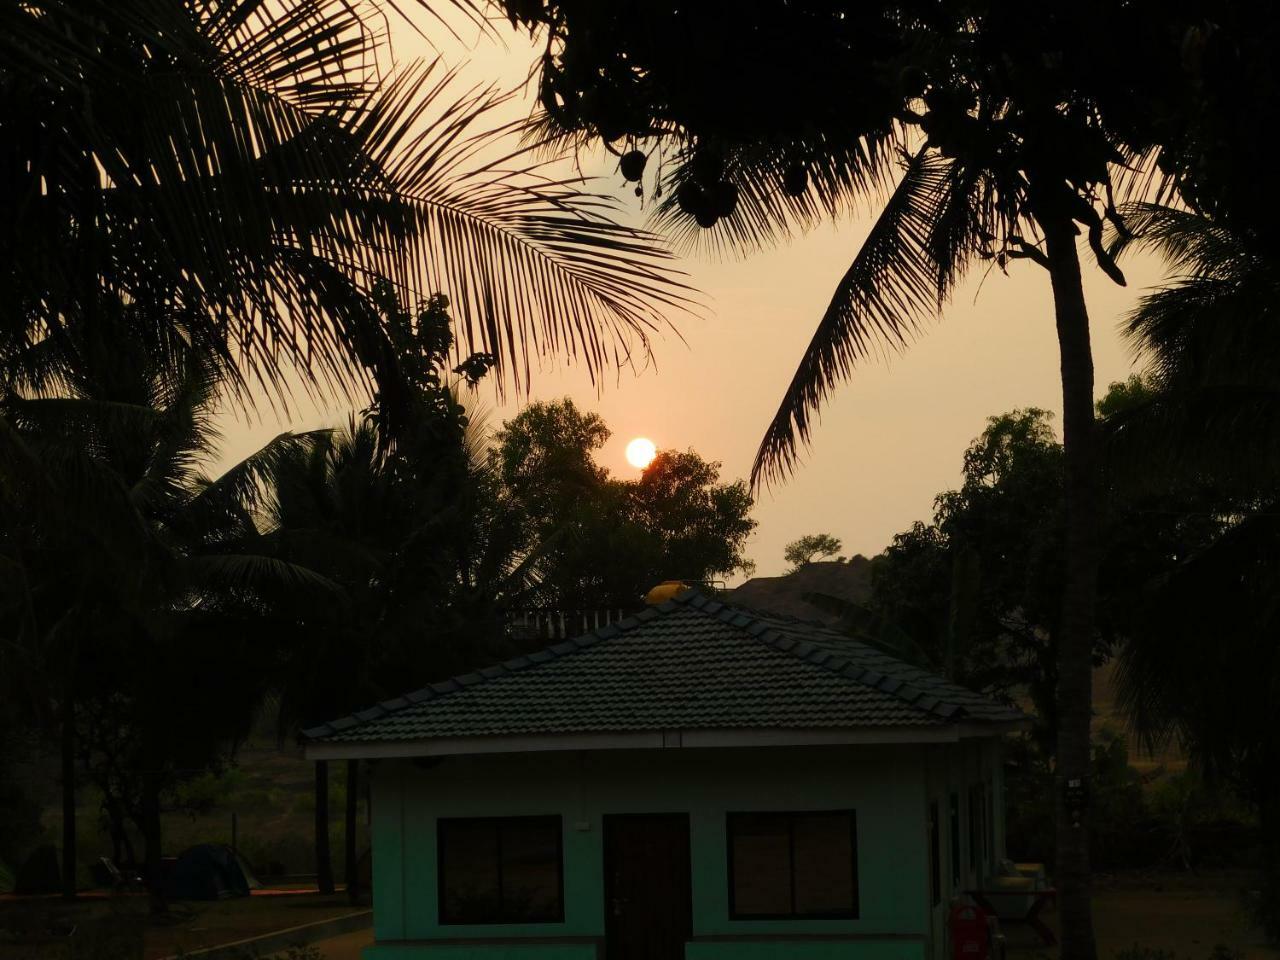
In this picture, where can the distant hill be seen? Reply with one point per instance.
(786, 594)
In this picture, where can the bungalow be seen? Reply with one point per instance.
(694, 782)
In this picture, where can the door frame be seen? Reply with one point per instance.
(606, 856)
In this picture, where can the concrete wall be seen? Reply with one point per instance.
(955, 768)
(888, 786)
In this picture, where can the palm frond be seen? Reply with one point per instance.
(259, 576)
(1138, 177)
(534, 263)
(892, 284)
(1191, 244)
(271, 145)
(247, 486)
(839, 183)
(1206, 338)
(1169, 685)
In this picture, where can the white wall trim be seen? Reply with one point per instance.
(653, 740)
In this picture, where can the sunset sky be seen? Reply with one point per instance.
(891, 439)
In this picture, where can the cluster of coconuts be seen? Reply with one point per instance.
(706, 195)
(948, 123)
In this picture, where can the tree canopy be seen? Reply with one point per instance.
(811, 547)
(603, 541)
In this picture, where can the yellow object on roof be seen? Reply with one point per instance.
(665, 591)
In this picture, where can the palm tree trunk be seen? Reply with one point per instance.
(324, 861)
(349, 848)
(68, 797)
(1079, 592)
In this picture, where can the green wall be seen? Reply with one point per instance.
(887, 785)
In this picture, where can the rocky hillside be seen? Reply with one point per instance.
(787, 594)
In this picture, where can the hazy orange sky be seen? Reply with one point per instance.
(890, 440)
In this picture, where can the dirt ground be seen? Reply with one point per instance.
(346, 947)
(192, 925)
(1187, 914)
(1183, 913)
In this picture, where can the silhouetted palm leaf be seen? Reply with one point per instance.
(272, 150)
(1208, 337)
(891, 286)
(839, 183)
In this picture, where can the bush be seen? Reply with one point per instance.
(280, 855)
(209, 791)
(20, 827)
(1178, 821)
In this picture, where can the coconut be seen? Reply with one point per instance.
(724, 198)
(690, 197)
(706, 217)
(632, 165)
(795, 180)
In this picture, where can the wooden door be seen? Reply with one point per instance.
(648, 894)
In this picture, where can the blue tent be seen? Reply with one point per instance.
(210, 871)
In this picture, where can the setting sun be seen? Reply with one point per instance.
(640, 452)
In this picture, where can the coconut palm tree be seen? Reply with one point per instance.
(132, 572)
(284, 162)
(402, 509)
(429, 563)
(1209, 429)
(991, 135)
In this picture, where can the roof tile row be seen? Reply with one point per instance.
(692, 662)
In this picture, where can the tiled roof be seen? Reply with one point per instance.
(690, 663)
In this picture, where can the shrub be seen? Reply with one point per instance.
(279, 855)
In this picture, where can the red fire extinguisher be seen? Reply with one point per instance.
(967, 925)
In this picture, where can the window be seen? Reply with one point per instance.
(501, 870)
(935, 856)
(784, 865)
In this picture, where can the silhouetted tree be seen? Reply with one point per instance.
(603, 542)
(1208, 423)
(811, 547)
(979, 586)
(136, 575)
(397, 508)
(1007, 123)
(278, 172)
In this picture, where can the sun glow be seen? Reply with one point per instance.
(640, 452)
